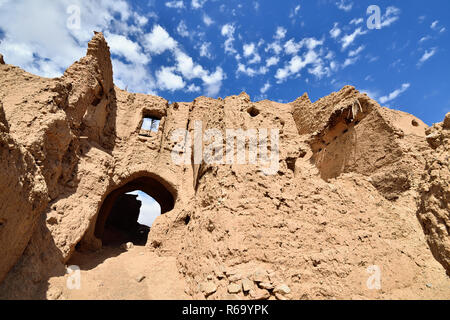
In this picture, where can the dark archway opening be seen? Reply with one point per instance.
(124, 223)
(127, 213)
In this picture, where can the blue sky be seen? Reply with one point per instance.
(271, 49)
(150, 208)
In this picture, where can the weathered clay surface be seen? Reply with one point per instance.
(434, 210)
(23, 197)
(353, 179)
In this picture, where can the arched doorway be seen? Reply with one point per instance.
(119, 218)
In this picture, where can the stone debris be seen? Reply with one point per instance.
(234, 288)
(280, 296)
(265, 285)
(235, 277)
(259, 294)
(282, 289)
(247, 285)
(259, 276)
(208, 288)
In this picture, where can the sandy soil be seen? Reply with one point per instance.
(115, 273)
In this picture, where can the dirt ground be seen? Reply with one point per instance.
(115, 273)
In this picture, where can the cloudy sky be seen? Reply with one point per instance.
(181, 49)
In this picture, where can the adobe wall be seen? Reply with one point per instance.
(343, 196)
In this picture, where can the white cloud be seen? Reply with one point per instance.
(352, 57)
(335, 32)
(182, 29)
(282, 74)
(423, 39)
(168, 80)
(272, 61)
(330, 55)
(426, 56)
(228, 32)
(251, 72)
(292, 47)
(280, 33)
(17, 53)
(355, 52)
(193, 88)
(318, 70)
(372, 94)
(311, 43)
(190, 70)
(127, 49)
(349, 61)
(213, 82)
(256, 59)
(265, 88)
(333, 66)
(310, 59)
(158, 40)
(393, 95)
(357, 21)
(205, 50)
(345, 5)
(349, 38)
(30, 46)
(133, 77)
(207, 20)
(434, 24)
(37, 38)
(187, 67)
(141, 20)
(197, 4)
(249, 49)
(175, 4)
(297, 63)
(392, 14)
(275, 47)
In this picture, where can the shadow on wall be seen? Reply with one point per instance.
(28, 279)
(340, 134)
(58, 157)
